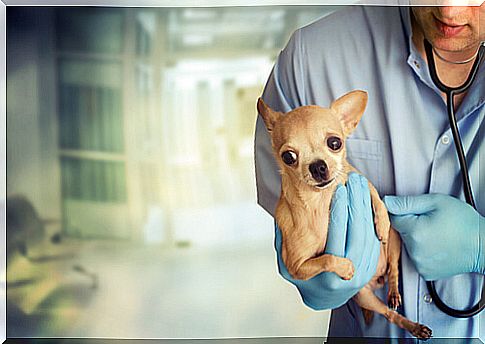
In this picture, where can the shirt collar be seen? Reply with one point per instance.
(476, 94)
(415, 60)
(475, 97)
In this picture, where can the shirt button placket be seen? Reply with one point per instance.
(445, 139)
(427, 299)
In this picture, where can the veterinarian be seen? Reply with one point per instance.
(404, 146)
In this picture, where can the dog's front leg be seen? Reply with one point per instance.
(311, 267)
(381, 218)
(297, 255)
(303, 241)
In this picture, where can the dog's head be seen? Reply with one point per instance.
(309, 142)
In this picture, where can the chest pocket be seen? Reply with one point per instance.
(366, 157)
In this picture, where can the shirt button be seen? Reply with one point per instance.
(445, 139)
(427, 298)
(416, 63)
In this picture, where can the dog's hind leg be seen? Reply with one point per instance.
(365, 298)
(393, 254)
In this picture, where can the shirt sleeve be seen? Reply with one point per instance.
(282, 93)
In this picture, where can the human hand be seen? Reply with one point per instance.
(351, 234)
(443, 235)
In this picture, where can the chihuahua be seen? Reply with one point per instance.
(309, 146)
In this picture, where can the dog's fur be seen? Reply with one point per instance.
(308, 180)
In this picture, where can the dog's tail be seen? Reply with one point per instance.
(368, 316)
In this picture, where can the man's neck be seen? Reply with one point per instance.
(450, 74)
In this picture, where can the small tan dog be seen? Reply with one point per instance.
(309, 146)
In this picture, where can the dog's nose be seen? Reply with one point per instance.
(318, 169)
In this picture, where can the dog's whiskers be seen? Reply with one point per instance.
(340, 174)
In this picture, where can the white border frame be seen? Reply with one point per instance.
(139, 3)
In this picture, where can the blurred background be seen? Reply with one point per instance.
(131, 202)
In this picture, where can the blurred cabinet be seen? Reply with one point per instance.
(90, 49)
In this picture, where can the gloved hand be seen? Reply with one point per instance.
(443, 235)
(351, 234)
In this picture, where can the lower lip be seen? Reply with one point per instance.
(448, 31)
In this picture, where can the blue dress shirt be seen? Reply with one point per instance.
(403, 143)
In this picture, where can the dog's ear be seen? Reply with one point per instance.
(270, 117)
(350, 108)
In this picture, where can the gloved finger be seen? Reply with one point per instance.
(404, 224)
(337, 228)
(404, 205)
(371, 248)
(373, 252)
(367, 202)
(360, 215)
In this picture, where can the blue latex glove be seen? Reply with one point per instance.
(351, 234)
(443, 235)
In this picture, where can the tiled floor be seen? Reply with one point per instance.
(150, 292)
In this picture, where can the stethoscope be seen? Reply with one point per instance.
(450, 92)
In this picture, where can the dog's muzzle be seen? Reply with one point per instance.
(319, 170)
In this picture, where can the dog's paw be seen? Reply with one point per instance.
(422, 332)
(345, 268)
(393, 299)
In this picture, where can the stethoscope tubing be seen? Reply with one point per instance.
(450, 93)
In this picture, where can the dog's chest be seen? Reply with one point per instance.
(318, 229)
(311, 226)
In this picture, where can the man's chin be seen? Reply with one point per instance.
(455, 49)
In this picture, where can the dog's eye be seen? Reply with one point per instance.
(289, 157)
(334, 143)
